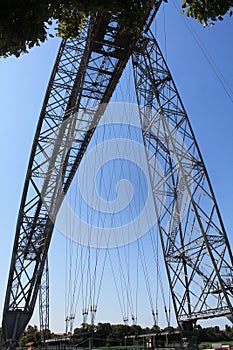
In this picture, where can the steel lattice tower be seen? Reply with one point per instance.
(44, 302)
(196, 249)
(195, 246)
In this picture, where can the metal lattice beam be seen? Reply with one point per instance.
(85, 75)
(34, 226)
(196, 250)
(44, 302)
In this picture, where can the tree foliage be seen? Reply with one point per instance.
(106, 334)
(30, 335)
(26, 23)
(207, 11)
(23, 24)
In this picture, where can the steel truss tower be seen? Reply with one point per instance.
(84, 76)
(44, 302)
(196, 250)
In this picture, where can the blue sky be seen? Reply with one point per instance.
(23, 85)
